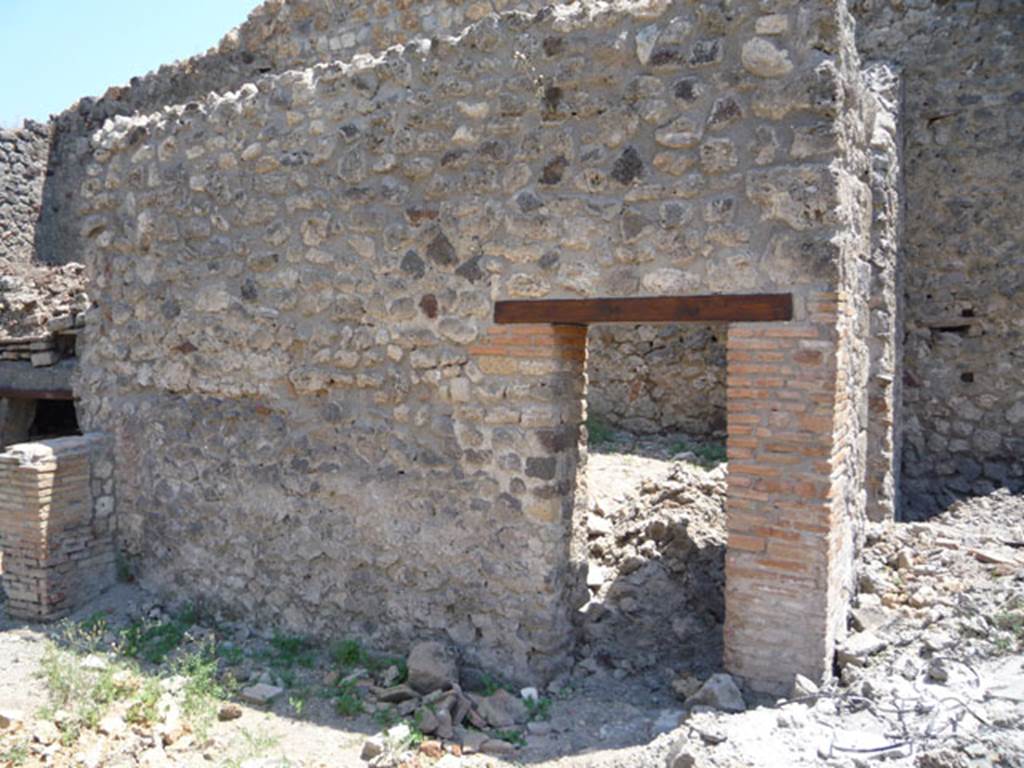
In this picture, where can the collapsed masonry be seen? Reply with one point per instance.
(294, 244)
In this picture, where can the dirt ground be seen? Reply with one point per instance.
(932, 675)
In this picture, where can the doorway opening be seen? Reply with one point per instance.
(24, 419)
(54, 418)
(650, 509)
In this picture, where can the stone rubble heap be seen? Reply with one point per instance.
(655, 544)
(42, 310)
(932, 673)
(445, 714)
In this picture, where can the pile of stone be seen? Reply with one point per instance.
(42, 310)
(654, 537)
(947, 586)
(455, 722)
(931, 673)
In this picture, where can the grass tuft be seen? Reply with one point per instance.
(598, 431)
(709, 454)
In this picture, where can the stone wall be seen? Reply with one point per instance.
(279, 35)
(653, 378)
(885, 336)
(23, 158)
(56, 524)
(299, 276)
(964, 328)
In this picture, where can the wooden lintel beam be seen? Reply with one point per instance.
(36, 394)
(736, 308)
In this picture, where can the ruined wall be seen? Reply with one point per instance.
(885, 333)
(653, 378)
(293, 345)
(964, 282)
(23, 155)
(278, 35)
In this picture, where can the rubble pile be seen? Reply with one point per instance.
(932, 672)
(42, 309)
(654, 530)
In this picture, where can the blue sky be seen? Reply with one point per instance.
(53, 52)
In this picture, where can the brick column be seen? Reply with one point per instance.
(525, 416)
(781, 600)
(56, 524)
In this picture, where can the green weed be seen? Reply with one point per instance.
(232, 654)
(14, 755)
(289, 650)
(539, 709)
(202, 692)
(142, 710)
(710, 454)
(598, 431)
(250, 746)
(153, 642)
(350, 654)
(512, 737)
(346, 701)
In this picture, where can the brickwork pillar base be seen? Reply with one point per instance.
(56, 524)
(780, 563)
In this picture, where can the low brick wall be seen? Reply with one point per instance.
(56, 524)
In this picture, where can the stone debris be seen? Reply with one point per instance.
(934, 664)
(10, 719)
(42, 310)
(501, 709)
(858, 648)
(261, 694)
(432, 666)
(655, 563)
(229, 711)
(719, 692)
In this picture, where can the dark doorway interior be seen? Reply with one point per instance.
(54, 418)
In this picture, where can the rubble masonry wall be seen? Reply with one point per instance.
(654, 378)
(23, 158)
(963, 377)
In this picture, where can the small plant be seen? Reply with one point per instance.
(709, 454)
(400, 742)
(232, 655)
(348, 653)
(598, 431)
(539, 709)
(1010, 620)
(123, 567)
(490, 685)
(346, 701)
(95, 624)
(202, 691)
(289, 650)
(14, 755)
(250, 747)
(512, 737)
(153, 642)
(297, 703)
(386, 718)
(142, 710)
(85, 636)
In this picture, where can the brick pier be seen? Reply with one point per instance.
(56, 524)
